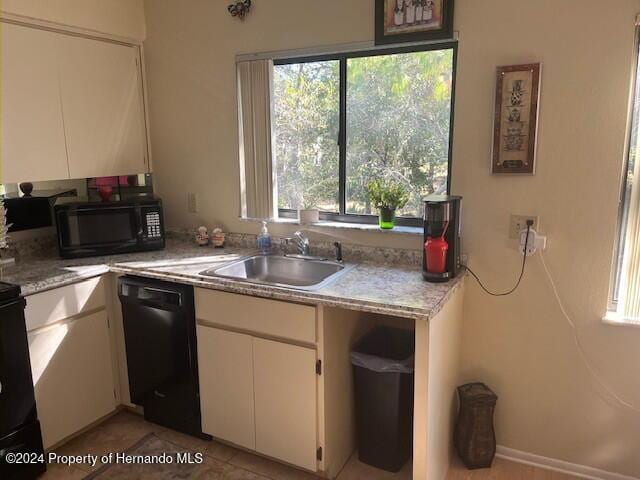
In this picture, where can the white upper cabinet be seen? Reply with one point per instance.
(72, 107)
(103, 112)
(31, 126)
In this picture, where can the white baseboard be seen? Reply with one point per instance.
(581, 471)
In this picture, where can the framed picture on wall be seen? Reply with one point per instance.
(515, 126)
(399, 21)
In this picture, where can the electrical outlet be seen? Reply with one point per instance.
(192, 203)
(519, 223)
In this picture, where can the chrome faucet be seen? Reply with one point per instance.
(301, 241)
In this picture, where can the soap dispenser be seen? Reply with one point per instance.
(263, 241)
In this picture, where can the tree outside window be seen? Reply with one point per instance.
(396, 116)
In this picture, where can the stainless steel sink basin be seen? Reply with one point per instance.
(300, 273)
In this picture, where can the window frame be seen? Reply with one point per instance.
(623, 201)
(343, 58)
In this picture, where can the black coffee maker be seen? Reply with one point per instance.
(441, 248)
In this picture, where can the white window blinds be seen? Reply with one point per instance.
(256, 164)
(626, 288)
(629, 295)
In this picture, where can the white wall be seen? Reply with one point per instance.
(520, 345)
(123, 18)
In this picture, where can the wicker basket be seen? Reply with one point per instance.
(474, 436)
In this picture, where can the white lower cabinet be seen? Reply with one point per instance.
(72, 374)
(259, 394)
(225, 364)
(286, 397)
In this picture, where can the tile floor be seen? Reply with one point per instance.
(123, 430)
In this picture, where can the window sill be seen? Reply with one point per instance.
(401, 230)
(615, 319)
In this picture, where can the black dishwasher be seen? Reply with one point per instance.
(162, 360)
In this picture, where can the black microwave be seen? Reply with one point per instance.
(104, 228)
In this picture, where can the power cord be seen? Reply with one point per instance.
(524, 263)
(606, 391)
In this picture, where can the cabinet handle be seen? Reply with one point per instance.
(158, 394)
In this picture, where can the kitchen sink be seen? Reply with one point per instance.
(305, 273)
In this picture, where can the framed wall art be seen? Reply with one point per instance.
(515, 126)
(400, 21)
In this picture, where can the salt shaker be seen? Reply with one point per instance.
(202, 236)
(217, 238)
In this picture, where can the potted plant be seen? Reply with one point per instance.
(387, 197)
(308, 213)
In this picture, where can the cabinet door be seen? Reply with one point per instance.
(285, 402)
(103, 110)
(72, 375)
(225, 367)
(32, 133)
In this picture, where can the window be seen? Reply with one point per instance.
(342, 121)
(625, 294)
(306, 120)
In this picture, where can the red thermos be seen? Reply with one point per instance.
(435, 250)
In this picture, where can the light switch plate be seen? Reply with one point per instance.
(519, 223)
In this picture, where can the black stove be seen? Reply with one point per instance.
(8, 292)
(19, 426)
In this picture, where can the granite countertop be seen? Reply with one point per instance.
(377, 288)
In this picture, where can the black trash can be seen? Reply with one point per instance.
(383, 362)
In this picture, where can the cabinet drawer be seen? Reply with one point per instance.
(263, 316)
(54, 305)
